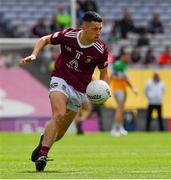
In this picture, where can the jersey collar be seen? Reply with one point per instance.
(81, 45)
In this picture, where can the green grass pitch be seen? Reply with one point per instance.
(89, 156)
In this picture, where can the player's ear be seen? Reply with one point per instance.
(83, 26)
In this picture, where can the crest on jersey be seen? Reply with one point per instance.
(89, 59)
(74, 63)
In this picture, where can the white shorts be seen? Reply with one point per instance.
(75, 98)
(120, 96)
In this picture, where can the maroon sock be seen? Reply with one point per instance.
(44, 151)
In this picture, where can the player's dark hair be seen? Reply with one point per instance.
(92, 16)
(124, 51)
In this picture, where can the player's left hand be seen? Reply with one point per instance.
(134, 90)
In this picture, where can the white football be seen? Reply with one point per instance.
(98, 91)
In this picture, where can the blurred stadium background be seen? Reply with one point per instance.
(24, 103)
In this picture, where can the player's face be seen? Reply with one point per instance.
(93, 30)
(126, 58)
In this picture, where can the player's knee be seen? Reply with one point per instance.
(57, 116)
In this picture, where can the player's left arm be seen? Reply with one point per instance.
(103, 67)
(104, 74)
(133, 88)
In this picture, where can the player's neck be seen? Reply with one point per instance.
(84, 40)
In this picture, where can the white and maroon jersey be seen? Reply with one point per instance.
(77, 62)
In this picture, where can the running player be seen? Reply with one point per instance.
(81, 51)
(119, 84)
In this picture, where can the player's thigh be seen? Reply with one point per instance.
(120, 97)
(58, 102)
(59, 107)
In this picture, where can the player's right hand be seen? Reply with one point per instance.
(27, 59)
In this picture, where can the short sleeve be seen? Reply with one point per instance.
(58, 37)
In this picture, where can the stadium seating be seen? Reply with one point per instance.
(141, 10)
(26, 13)
(23, 14)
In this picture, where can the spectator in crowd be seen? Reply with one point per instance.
(143, 39)
(154, 91)
(119, 83)
(63, 18)
(121, 51)
(114, 35)
(14, 31)
(165, 57)
(155, 25)
(40, 28)
(135, 56)
(79, 13)
(106, 30)
(89, 5)
(112, 38)
(125, 25)
(149, 57)
(53, 26)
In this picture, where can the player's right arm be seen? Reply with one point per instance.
(41, 43)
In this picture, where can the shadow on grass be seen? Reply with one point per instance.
(51, 172)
